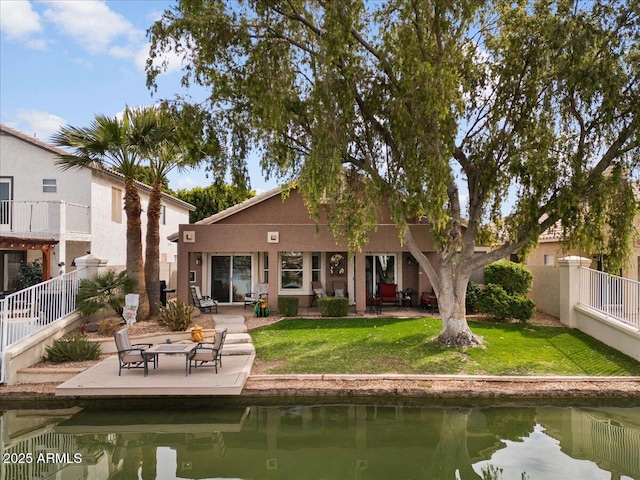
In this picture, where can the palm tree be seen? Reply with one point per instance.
(120, 145)
(169, 157)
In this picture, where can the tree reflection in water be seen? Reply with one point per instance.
(326, 442)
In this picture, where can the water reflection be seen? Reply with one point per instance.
(323, 442)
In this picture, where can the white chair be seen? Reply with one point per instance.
(261, 291)
(203, 303)
(130, 310)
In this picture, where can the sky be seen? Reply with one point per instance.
(64, 61)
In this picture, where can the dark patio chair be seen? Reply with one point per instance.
(429, 301)
(203, 303)
(261, 291)
(318, 292)
(130, 355)
(208, 354)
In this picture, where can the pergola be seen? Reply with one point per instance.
(45, 245)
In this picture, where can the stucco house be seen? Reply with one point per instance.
(268, 239)
(58, 215)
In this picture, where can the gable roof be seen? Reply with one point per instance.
(105, 171)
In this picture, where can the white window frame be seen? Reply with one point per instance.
(49, 185)
(306, 273)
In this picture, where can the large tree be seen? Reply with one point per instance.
(531, 106)
(120, 144)
(213, 199)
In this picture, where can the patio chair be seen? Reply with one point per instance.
(318, 292)
(374, 304)
(130, 310)
(203, 303)
(388, 293)
(429, 301)
(208, 354)
(261, 291)
(130, 355)
(340, 288)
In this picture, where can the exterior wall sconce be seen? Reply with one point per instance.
(198, 258)
(410, 260)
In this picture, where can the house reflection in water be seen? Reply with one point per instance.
(366, 442)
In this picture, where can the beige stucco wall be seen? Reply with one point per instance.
(545, 292)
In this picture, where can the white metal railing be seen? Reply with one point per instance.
(25, 312)
(43, 218)
(616, 297)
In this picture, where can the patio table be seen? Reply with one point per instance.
(168, 349)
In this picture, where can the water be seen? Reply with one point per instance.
(323, 442)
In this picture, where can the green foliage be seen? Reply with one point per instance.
(72, 348)
(471, 299)
(333, 306)
(288, 306)
(495, 301)
(514, 278)
(213, 199)
(178, 316)
(30, 273)
(106, 290)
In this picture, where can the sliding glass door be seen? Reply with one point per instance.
(230, 277)
(379, 269)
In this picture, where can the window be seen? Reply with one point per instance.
(316, 268)
(548, 259)
(49, 185)
(6, 185)
(265, 267)
(116, 205)
(292, 270)
(163, 215)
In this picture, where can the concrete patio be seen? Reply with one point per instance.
(169, 378)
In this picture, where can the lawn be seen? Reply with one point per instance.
(392, 345)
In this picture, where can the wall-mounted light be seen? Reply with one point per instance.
(198, 258)
(410, 260)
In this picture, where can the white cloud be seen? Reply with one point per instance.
(43, 124)
(17, 19)
(91, 23)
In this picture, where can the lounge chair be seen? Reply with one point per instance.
(208, 354)
(130, 355)
(340, 288)
(203, 303)
(261, 291)
(388, 293)
(318, 292)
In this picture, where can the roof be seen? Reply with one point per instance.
(105, 171)
(216, 217)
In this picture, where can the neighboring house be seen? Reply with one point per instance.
(58, 215)
(550, 249)
(270, 240)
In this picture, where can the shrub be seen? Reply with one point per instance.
(333, 306)
(513, 277)
(288, 306)
(108, 326)
(106, 290)
(471, 299)
(495, 301)
(73, 348)
(30, 274)
(178, 316)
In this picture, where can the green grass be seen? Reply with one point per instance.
(389, 345)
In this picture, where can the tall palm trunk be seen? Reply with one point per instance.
(152, 253)
(135, 267)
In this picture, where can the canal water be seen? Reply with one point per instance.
(323, 442)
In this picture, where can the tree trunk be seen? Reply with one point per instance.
(135, 268)
(152, 253)
(451, 303)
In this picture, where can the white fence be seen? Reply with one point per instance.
(39, 219)
(616, 297)
(25, 312)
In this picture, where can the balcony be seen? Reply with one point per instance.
(44, 219)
